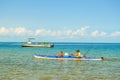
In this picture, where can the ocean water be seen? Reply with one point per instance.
(18, 63)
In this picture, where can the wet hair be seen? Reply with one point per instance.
(77, 50)
(102, 58)
(61, 51)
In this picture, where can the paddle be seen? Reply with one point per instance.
(86, 53)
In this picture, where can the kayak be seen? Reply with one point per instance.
(49, 57)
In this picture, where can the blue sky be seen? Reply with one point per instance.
(60, 20)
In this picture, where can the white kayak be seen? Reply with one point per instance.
(38, 56)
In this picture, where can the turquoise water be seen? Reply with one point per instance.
(18, 63)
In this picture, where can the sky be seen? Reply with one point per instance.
(60, 20)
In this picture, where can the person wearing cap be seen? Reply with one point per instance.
(78, 54)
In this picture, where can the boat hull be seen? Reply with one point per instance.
(38, 45)
(37, 56)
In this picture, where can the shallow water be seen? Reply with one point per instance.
(18, 63)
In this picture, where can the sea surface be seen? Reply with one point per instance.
(18, 63)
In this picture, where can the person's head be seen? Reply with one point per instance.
(102, 58)
(61, 52)
(77, 50)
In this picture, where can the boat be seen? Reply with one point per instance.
(51, 57)
(37, 44)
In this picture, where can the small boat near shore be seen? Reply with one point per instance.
(37, 44)
(49, 57)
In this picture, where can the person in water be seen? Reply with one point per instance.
(102, 58)
(78, 54)
(61, 54)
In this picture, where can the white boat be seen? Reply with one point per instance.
(37, 44)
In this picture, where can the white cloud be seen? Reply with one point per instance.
(98, 34)
(68, 33)
(20, 31)
(61, 33)
(14, 31)
(41, 32)
(103, 34)
(95, 33)
(115, 34)
(81, 32)
(3, 30)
